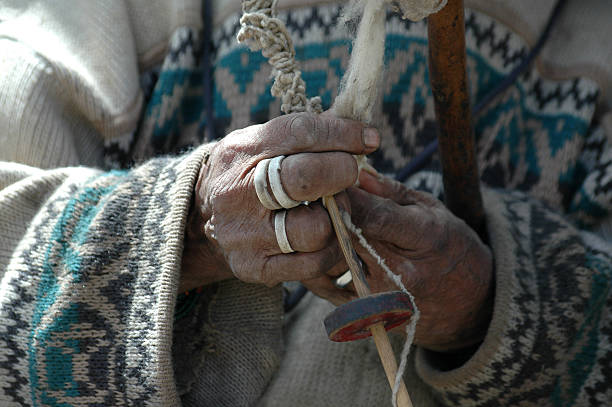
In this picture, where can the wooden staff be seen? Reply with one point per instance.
(385, 351)
(448, 78)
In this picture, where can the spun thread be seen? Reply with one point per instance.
(261, 30)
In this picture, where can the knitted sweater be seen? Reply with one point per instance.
(90, 257)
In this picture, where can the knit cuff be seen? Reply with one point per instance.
(537, 332)
(93, 285)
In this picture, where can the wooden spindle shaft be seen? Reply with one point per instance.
(361, 286)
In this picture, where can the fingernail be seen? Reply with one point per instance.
(371, 139)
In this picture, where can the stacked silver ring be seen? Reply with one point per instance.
(268, 170)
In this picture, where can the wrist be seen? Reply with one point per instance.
(472, 315)
(202, 263)
(474, 333)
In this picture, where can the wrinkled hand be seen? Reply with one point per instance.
(230, 233)
(441, 260)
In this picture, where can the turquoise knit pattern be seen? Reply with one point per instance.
(83, 289)
(531, 138)
(62, 258)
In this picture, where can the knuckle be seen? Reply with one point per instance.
(325, 261)
(223, 198)
(226, 153)
(309, 229)
(442, 243)
(236, 264)
(351, 168)
(303, 130)
(303, 176)
(400, 192)
(266, 274)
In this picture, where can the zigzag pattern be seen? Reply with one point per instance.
(70, 284)
(312, 18)
(512, 153)
(532, 139)
(497, 41)
(560, 93)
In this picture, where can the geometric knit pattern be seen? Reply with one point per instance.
(536, 137)
(551, 329)
(531, 138)
(173, 117)
(89, 290)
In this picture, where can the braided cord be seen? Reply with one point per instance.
(261, 30)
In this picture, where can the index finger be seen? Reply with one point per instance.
(408, 226)
(309, 132)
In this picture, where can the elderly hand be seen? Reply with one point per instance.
(230, 233)
(441, 260)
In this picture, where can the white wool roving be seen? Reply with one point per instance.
(359, 87)
(360, 83)
(417, 10)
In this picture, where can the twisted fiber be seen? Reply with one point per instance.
(260, 29)
(358, 93)
(411, 327)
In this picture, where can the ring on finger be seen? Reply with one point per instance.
(261, 185)
(281, 232)
(344, 280)
(281, 196)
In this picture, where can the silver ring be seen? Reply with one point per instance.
(344, 280)
(281, 232)
(277, 186)
(260, 179)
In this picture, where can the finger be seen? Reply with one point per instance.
(386, 187)
(309, 228)
(299, 266)
(324, 287)
(406, 226)
(338, 270)
(308, 132)
(309, 176)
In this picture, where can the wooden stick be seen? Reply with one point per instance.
(363, 289)
(447, 68)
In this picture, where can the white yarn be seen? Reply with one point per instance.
(358, 94)
(411, 327)
(359, 90)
